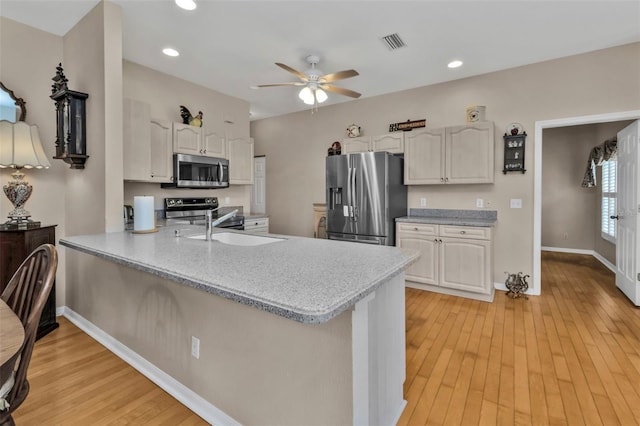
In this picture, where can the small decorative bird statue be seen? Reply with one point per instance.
(187, 118)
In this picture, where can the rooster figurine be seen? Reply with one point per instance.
(187, 118)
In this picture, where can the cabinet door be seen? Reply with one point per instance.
(469, 153)
(161, 151)
(187, 139)
(425, 269)
(351, 145)
(390, 142)
(465, 265)
(240, 160)
(214, 144)
(424, 157)
(136, 140)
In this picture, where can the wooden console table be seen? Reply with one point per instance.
(15, 246)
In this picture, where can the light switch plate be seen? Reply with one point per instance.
(479, 203)
(516, 203)
(423, 202)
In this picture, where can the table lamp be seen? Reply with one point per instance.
(20, 147)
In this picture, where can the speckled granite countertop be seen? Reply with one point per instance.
(451, 217)
(303, 279)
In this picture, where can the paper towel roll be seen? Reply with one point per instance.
(143, 214)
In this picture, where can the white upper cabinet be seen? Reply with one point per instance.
(424, 156)
(459, 154)
(389, 142)
(161, 166)
(470, 153)
(359, 144)
(187, 139)
(240, 150)
(147, 149)
(214, 144)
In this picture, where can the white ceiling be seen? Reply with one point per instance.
(230, 46)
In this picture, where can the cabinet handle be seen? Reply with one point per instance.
(441, 179)
(205, 151)
(435, 240)
(463, 232)
(415, 229)
(446, 179)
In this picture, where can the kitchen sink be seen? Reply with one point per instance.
(238, 239)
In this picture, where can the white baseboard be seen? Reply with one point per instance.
(593, 253)
(186, 396)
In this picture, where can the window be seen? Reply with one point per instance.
(609, 193)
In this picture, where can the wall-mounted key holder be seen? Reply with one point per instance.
(514, 148)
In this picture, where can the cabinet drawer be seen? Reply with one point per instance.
(471, 232)
(417, 228)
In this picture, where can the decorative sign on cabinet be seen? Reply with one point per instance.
(458, 155)
(455, 260)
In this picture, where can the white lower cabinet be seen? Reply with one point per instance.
(257, 226)
(456, 260)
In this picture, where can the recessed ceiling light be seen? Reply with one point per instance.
(454, 64)
(170, 52)
(186, 4)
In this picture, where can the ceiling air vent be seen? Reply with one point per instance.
(393, 41)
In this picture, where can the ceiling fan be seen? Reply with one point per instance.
(315, 83)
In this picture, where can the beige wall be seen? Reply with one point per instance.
(28, 60)
(296, 144)
(255, 366)
(165, 94)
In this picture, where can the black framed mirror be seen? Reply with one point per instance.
(12, 108)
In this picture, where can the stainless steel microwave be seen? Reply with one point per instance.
(198, 171)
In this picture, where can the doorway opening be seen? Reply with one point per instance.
(536, 287)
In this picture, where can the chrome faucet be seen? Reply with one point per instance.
(210, 223)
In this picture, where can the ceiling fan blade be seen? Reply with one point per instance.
(297, 83)
(340, 75)
(292, 71)
(340, 90)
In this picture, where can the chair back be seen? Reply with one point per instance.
(26, 294)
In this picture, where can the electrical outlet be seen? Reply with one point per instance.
(423, 202)
(516, 203)
(227, 200)
(195, 347)
(479, 203)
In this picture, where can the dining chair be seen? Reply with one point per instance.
(26, 294)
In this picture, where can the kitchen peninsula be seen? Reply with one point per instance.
(296, 331)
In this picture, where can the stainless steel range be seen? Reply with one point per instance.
(194, 209)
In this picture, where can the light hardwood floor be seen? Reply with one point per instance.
(570, 356)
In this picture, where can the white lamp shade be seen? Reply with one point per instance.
(306, 95)
(20, 146)
(321, 96)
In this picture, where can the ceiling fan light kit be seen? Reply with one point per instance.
(316, 84)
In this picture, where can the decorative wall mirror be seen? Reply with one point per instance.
(12, 108)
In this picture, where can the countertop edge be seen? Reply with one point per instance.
(301, 317)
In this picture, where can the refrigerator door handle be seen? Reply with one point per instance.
(354, 198)
(347, 210)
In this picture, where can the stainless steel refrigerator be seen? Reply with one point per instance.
(364, 196)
